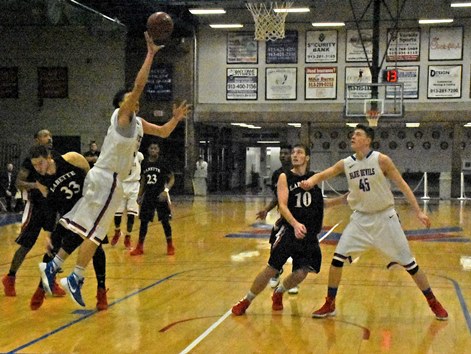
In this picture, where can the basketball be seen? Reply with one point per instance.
(159, 26)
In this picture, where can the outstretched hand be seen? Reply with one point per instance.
(181, 112)
(151, 46)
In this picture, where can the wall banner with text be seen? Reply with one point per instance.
(321, 83)
(321, 46)
(358, 75)
(409, 76)
(404, 45)
(242, 48)
(357, 43)
(283, 51)
(242, 84)
(444, 81)
(446, 43)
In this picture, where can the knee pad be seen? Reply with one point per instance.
(337, 263)
(413, 270)
(338, 260)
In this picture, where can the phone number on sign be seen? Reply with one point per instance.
(241, 86)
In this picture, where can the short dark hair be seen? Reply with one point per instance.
(39, 151)
(119, 97)
(285, 146)
(41, 132)
(306, 149)
(370, 133)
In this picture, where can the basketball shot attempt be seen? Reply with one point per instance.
(160, 26)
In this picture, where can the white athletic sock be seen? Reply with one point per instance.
(57, 262)
(280, 288)
(79, 271)
(250, 296)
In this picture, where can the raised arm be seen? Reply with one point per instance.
(330, 202)
(330, 172)
(131, 100)
(391, 172)
(179, 113)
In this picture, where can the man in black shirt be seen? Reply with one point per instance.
(302, 215)
(37, 215)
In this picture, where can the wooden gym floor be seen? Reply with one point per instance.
(181, 303)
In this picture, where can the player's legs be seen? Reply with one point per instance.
(30, 229)
(354, 239)
(118, 216)
(278, 257)
(393, 242)
(164, 215)
(132, 211)
(99, 264)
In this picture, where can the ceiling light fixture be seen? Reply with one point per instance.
(412, 125)
(296, 125)
(460, 4)
(268, 142)
(328, 24)
(293, 9)
(438, 20)
(207, 11)
(227, 25)
(352, 125)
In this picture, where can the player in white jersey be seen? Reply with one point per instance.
(374, 222)
(129, 202)
(93, 213)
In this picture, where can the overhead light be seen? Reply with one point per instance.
(460, 4)
(352, 125)
(296, 125)
(207, 11)
(467, 125)
(293, 9)
(438, 20)
(328, 24)
(227, 25)
(268, 142)
(412, 125)
(245, 125)
(203, 142)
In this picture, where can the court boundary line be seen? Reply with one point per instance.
(206, 333)
(93, 312)
(461, 300)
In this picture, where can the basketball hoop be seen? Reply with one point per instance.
(269, 25)
(372, 116)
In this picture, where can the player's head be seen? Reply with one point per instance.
(362, 135)
(153, 150)
(300, 155)
(43, 137)
(40, 157)
(285, 154)
(121, 96)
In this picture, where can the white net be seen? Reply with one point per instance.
(269, 25)
(372, 116)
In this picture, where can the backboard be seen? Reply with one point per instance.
(362, 97)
